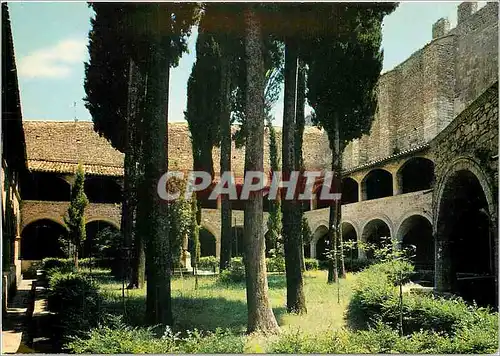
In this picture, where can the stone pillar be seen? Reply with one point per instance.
(361, 191)
(444, 272)
(397, 184)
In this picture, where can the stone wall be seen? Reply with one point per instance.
(392, 210)
(469, 143)
(11, 200)
(422, 95)
(55, 211)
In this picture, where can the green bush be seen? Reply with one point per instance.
(235, 273)
(57, 264)
(311, 264)
(275, 264)
(384, 339)
(376, 298)
(123, 339)
(357, 264)
(210, 263)
(76, 301)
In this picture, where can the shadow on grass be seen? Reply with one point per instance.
(202, 313)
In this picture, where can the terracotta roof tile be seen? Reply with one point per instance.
(59, 146)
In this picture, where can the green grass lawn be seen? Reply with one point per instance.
(215, 305)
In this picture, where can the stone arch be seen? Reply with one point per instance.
(377, 183)
(415, 229)
(373, 231)
(350, 233)
(350, 190)
(416, 174)
(107, 220)
(100, 189)
(465, 218)
(464, 163)
(55, 219)
(317, 225)
(92, 229)
(45, 186)
(319, 242)
(42, 237)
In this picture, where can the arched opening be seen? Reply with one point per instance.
(416, 174)
(348, 237)
(349, 191)
(376, 233)
(377, 184)
(466, 233)
(207, 243)
(102, 190)
(103, 240)
(44, 186)
(237, 247)
(415, 235)
(320, 238)
(43, 238)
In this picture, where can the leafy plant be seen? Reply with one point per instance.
(75, 219)
(275, 264)
(208, 263)
(235, 273)
(311, 264)
(76, 301)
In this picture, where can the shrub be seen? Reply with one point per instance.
(357, 264)
(210, 263)
(375, 298)
(57, 264)
(383, 339)
(275, 264)
(311, 264)
(76, 301)
(235, 273)
(123, 339)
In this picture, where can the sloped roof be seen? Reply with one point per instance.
(59, 146)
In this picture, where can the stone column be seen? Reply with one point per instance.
(444, 272)
(397, 184)
(361, 191)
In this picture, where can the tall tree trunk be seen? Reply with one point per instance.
(129, 205)
(332, 246)
(299, 133)
(260, 315)
(337, 181)
(225, 161)
(335, 210)
(291, 209)
(153, 215)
